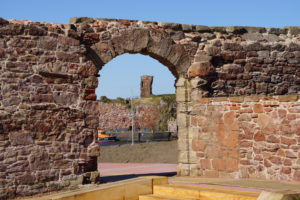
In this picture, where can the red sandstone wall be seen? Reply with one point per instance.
(117, 116)
(247, 137)
(46, 141)
(48, 73)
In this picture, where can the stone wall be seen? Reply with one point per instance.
(117, 116)
(251, 63)
(48, 76)
(46, 138)
(256, 136)
(146, 86)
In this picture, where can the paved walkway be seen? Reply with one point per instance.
(110, 172)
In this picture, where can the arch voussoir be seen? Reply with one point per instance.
(155, 43)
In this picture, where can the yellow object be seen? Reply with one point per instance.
(177, 192)
(102, 134)
(122, 190)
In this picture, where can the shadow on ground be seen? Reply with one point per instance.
(109, 179)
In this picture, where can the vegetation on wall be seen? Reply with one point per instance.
(167, 111)
(119, 100)
(166, 105)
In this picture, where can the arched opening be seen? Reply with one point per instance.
(157, 44)
(121, 77)
(123, 109)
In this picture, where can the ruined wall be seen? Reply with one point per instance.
(48, 125)
(250, 63)
(235, 115)
(146, 86)
(117, 116)
(257, 136)
(239, 125)
(46, 139)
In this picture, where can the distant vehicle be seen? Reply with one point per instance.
(103, 137)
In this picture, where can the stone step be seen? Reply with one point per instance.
(201, 193)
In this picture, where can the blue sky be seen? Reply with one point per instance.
(120, 77)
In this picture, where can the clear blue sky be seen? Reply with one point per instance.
(120, 77)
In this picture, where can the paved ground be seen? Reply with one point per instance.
(110, 169)
(146, 152)
(111, 172)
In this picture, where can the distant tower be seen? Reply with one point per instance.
(146, 86)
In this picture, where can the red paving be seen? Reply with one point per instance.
(107, 169)
(114, 169)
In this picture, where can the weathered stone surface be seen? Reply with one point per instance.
(67, 57)
(92, 97)
(236, 29)
(167, 25)
(48, 43)
(26, 179)
(272, 38)
(105, 35)
(252, 36)
(231, 121)
(90, 38)
(255, 29)
(91, 82)
(93, 150)
(277, 31)
(3, 22)
(66, 42)
(12, 29)
(293, 30)
(75, 20)
(187, 27)
(35, 30)
(146, 86)
(39, 161)
(202, 28)
(221, 29)
(89, 69)
(232, 68)
(20, 138)
(201, 69)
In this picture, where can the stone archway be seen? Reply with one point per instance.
(154, 43)
(241, 88)
(157, 44)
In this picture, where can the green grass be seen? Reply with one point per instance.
(156, 99)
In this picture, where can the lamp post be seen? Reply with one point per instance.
(132, 122)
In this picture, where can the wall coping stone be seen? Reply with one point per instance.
(293, 30)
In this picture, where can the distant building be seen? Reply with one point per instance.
(146, 86)
(172, 126)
